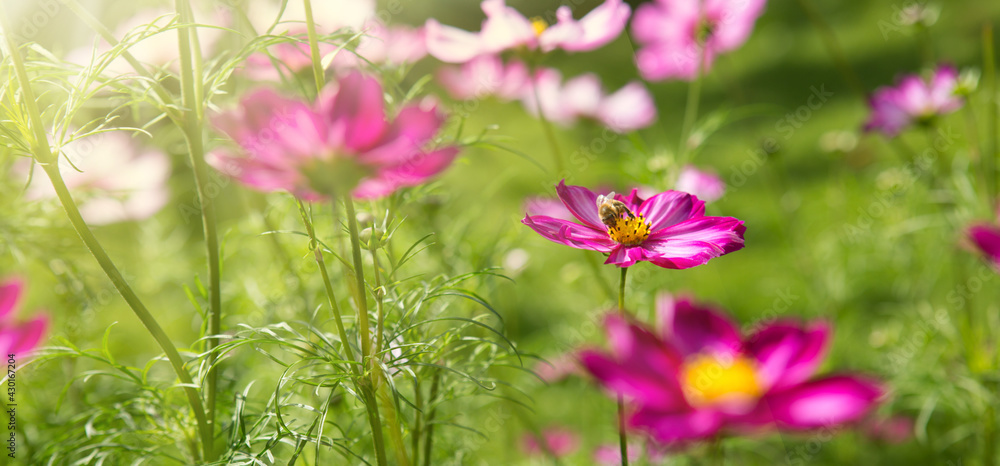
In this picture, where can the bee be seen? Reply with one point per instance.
(611, 210)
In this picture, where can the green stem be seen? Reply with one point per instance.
(193, 100)
(550, 134)
(833, 47)
(317, 66)
(331, 297)
(622, 434)
(44, 155)
(429, 434)
(691, 107)
(364, 329)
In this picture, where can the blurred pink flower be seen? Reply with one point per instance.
(505, 28)
(611, 455)
(669, 229)
(892, 430)
(628, 109)
(986, 238)
(560, 442)
(344, 142)
(483, 77)
(914, 100)
(704, 185)
(16, 338)
(700, 376)
(673, 34)
(288, 57)
(381, 44)
(558, 368)
(113, 179)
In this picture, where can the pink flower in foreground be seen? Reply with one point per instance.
(505, 28)
(483, 77)
(700, 377)
(15, 337)
(344, 142)
(559, 442)
(704, 185)
(669, 229)
(113, 179)
(628, 109)
(914, 100)
(673, 34)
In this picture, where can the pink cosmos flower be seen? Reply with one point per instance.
(381, 44)
(560, 442)
(17, 337)
(483, 77)
(704, 185)
(700, 377)
(669, 229)
(505, 28)
(111, 176)
(914, 100)
(343, 142)
(673, 34)
(628, 109)
(986, 238)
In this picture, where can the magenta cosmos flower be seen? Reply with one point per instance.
(700, 377)
(344, 142)
(986, 238)
(505, 28)
(673, 34)
(914, 100)
(15, 337)
(669, 229)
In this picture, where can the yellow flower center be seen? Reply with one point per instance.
(539, 25)
(708, 380)
(630, 231)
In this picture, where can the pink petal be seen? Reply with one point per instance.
(987, 239)
(787, 353)
(695, 329)
(414, 171)
(694, 242)
(450, 44)
(570, 234)
(734, 21)
(626, 256)
(629, 109)
(599, 27)
(565, 33)
(583, 95)
(23, 338)
(10, 294)
(826, 403)
(548, 207)
(670, 208)
(505, 28)
(354, 110)
(412, 129)
(704, 185)
(582, 203)
(673, 427)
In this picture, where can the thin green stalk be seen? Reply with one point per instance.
(429, 434)
(44, 155)
(833, 47)
(364, 328)
(418, 419)
(622, 434)
(992, 131)
(550, 134)
(317, 66)
(331, 297)
(691, 107)
(193, 101)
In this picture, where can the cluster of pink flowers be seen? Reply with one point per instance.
(698, 376)
(914, 100)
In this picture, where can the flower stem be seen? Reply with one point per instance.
(44, 155)
(691, 107)
(317, 67)
(368, 387)
(550, 134)
(622, 435)
(331, 297)
(193, 101)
